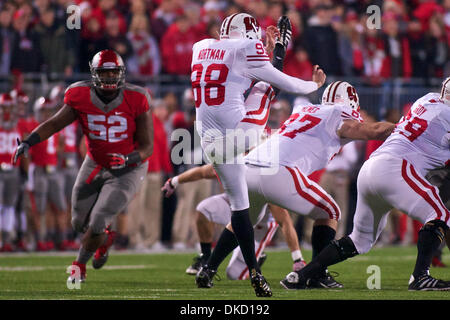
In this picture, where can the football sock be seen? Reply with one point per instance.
(243, 230)
(427, 245)
(321, 237)
(206, 250)
(225, 245)
(84, 256)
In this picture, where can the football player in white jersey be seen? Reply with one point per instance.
(277, 170)
(222, 70)
(393, 177)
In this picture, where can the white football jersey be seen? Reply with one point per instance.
(222, 70)
(307, 140)
(422, 137)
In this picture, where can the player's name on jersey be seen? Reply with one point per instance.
(211, 54)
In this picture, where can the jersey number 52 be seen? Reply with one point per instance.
(210, 81)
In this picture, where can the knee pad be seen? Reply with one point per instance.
(346, 247)
(437, 227)
(78, 226)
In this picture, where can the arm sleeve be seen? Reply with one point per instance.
(268, 73)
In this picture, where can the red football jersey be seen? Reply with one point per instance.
(111, 127)
(70, 138)
(44, 153)
(8, 144)
(26, 125)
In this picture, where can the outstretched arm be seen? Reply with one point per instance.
(268, 73)
(198, 173)
(352, 129)
(65, 116)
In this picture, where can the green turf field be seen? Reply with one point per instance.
(162, 276)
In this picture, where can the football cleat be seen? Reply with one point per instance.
(427, 283)
(40, 246)
(325, 280)
(7, 247)
(77, 273)
(285, 28)
(204, 277)
(293, 282)
(260, 284)
(194, 268)
(101, 254)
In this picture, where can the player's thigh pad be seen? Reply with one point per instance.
(216, 209)
(85, 193)
(406, 189)
(293, 190)
(114, 197)
(232, 177)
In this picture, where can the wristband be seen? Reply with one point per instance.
(32, 139)
(133, 158)
(174, 182)
(296, 255)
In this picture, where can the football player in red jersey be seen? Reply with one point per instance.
(9, 174)
(116, 119)
(47, 181)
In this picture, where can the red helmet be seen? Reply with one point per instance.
(44, 103)
(106, 60)
(19, 96)
(6, 108)
(6, 100)
(57, 93)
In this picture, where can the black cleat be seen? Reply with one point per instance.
(427, 283)
(285, 28)
(262, 258)
(204, 277)
(325, 280)
(293, 282)
(260, 284)
(194, 268)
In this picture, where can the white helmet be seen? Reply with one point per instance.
(445, 91)
(341, 92)
(240, 26)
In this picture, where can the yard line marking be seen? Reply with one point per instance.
(44, 268)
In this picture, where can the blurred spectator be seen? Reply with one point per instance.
(145, 211)
(189, 195)
(164, 16)
(57, 57)
(321, 40)
(6, 40)
(115, 39)
(176, 47)
(397, 59)
(145, 59)
(26, 53)
(298, 64)
(336, 181)
(437, 48)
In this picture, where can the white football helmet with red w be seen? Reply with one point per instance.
(240, 26)
(445, 91)
(341, 92)
(101, 66)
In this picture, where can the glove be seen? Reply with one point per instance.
(117, 161)
(168, 189)
(298, 265)
(21, 149)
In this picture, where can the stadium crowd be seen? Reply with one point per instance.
(156, 38)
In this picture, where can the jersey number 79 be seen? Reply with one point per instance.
(213, 78)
